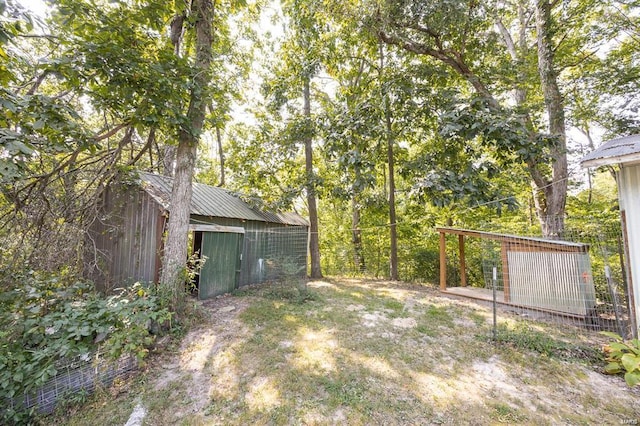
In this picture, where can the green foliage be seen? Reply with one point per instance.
(292, 274)
(524, 335)
(623, 356)
(49, 318)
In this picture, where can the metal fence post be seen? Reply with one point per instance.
(495, 323)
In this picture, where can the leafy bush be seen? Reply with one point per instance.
(623, 357)
(47, 318)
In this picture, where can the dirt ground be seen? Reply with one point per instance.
(373, 352)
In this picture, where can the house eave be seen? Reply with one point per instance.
(608, 161)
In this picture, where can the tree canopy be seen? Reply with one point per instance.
(383, 117)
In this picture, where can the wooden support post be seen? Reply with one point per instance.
(463, 268)
(505, 271)
(443, 263)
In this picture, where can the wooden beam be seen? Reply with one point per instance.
(216, 228)
(463, 268)
(504, 248)
(540, 244)
(443, 263)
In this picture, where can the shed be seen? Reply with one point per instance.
(536, 273)
(242, 244)
(625, 153)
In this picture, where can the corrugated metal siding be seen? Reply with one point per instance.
(552, 280)
(254, 257)
(265, 243)
(614, 149)
(221, 270)
(629, 193)
(129, 233)
(125, 238)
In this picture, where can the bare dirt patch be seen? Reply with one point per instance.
(200, 349)
(375, 352)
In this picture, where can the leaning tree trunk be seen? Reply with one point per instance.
(314, 240)
(175, 253)
(551, 213)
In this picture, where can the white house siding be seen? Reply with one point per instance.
(629, 194)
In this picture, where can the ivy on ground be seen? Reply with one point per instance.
(45, 319)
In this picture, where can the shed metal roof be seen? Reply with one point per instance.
(214, 202)
(615, 151)
(559, 245)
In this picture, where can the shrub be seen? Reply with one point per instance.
(46, 318)
(623, 357)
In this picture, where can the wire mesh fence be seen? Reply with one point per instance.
(270, 253)
(77, 376)
(578, 280)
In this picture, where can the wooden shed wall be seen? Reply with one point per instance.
(125, 240)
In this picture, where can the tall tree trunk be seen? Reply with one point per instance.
(549, 195)
(555, 193)
(314, 238)
(356, 236)
(175, 35)
(393, 233)
(175, 254)
(221, 156)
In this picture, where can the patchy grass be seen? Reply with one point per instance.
(369, 352)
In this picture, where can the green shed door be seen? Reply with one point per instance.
(221, 270)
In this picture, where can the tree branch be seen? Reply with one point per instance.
(111, 132)
(38, 82)
(455, 62)
(150, 140)
(508, 40)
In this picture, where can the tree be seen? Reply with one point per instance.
(360, 132)
(133, 89)
(448, 32)
(175, 252)
(298, 63)
(352, 126)
(62, 75)
(390, 139)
